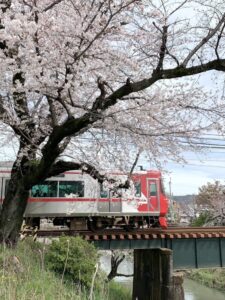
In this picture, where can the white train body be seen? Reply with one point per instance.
(76, 194)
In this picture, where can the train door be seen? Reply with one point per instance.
(115, 202)
(103, 202)
(109, 202)
(153, 195)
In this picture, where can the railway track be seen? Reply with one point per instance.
(137, 234)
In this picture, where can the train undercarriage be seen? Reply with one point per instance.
(99, 223)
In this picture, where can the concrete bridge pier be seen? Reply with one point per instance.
(153, 275)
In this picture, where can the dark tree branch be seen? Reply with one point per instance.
(94, 17)
(135, 163)
(101, 86)
(64, 105)
(124, 275)
(218, 41)
(162, 48)
(52, 110)
(63, 166)
(173, 57)
(50, 6)
(78, 125)
(104, 28)
(115, 262)
(5, 4)
(210, 34)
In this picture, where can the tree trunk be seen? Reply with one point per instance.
(12, 212)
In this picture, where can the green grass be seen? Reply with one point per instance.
(214, 278)
(119, 292)
(24, 276)
(27, 278)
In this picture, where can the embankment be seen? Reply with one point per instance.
(213, 278)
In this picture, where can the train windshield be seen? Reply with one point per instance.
(153, 189)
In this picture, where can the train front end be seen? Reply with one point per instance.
(152, 200)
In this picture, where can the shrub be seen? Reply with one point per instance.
(203, 219)
(74, 259)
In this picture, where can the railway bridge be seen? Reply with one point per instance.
(157, 252)
(192, 247)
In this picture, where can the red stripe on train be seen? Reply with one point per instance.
(33, 200)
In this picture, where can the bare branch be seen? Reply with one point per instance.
(103, 29)
(162, 48)
(54, 3)
(52, 111)
(135, 163)
(63, 166)
(5, 4)
(173, 57)
(211, 33)
(116, 260)
(178, 7)
(218, 41)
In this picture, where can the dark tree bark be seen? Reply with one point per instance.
(12, 213)
(116, 260)
(14, 205)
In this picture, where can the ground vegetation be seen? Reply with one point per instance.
(25, 274)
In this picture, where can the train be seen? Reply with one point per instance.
(78, 201)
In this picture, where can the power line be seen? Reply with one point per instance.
(200, 165)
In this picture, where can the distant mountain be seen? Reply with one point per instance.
(184, 198)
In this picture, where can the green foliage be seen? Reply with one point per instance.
(214, 278)
(24, 275)
(203, 219)
(73, 259)
(119, 292)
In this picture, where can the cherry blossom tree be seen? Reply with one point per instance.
(103, 82)
(210, 204)
(211, 195)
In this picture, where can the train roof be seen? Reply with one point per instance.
(7, 165)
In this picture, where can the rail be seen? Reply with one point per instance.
(137, 234)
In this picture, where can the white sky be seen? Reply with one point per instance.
(187, 179)
(199, 169)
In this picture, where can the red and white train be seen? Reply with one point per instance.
(77, 200)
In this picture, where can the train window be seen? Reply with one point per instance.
(45, 189)
(153, 189)
(71, 189)
(103, 193)
(137, 186)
